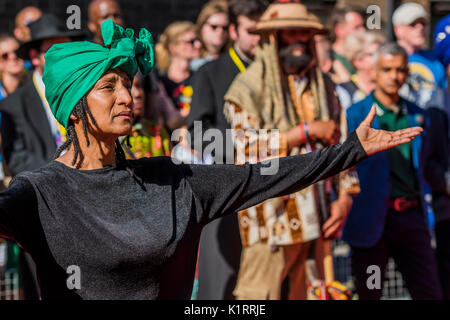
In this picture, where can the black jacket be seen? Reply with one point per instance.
(210, 84)
(27, 140)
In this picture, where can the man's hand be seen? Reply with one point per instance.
(327, 131)
(332, 228)
(374, 141)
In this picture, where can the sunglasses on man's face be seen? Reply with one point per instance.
(415, 23)
(216, 26)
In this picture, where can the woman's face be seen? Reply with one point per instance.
(364, 61)
(187, 46)
(9, 62)
(138, 94)
(110, 103)
(215, 31)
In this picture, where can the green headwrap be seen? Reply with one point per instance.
(73, 68)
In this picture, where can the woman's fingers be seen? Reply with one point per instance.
(370, 116)
(408, 132)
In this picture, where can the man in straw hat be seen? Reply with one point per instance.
(284, 89)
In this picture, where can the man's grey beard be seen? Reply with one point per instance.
(294, 62)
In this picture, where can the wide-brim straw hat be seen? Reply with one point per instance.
(288, 16)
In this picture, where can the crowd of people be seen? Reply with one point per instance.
(274, 81)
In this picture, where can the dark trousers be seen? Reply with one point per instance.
(442, 231)
(407, 240)
(219, 259)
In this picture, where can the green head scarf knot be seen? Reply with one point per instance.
(73, 68)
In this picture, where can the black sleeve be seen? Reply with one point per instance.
(436, 150)
(17, 157)
(223, 189)
(17, 203)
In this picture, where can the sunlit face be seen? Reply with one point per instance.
(246, 42)
(354, 22)
(9, 62)
(187, 46)
(109, 10)
(101, 11)
(215, 31)
(364, 61)
(110, 103)
(391, 73)
(414, 34)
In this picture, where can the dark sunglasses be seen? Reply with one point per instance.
(7, 55)
(215, 26)
(192, 42)
(415, 23)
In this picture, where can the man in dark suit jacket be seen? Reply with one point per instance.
(220, 244)
(30, 133)
(28, 143)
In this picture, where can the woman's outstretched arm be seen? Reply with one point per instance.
(224, 189)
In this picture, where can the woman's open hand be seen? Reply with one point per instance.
(374, 141)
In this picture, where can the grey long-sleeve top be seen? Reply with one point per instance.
(137, 237)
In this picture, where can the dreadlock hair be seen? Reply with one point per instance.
(81, 110)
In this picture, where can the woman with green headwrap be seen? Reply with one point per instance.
(102, 227)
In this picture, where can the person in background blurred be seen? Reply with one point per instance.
(344, 21)
(323, 50)
(212, 26)
(427, 78)
(177, 46)
(279, 235)
(99, 11)
(147, 138)
(23, 19)
(442, 43)
(11, 66)
(388, 217)
(218, 267)
(360, 48)
(11, 77)
(21, 31)
(440, 178)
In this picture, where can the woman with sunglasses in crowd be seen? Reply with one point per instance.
(212, 26)
(178, 45)
(11, 66)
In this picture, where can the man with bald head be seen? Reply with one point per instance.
(101, 10)
(23, 19)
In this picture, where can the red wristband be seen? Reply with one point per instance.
(302, 132)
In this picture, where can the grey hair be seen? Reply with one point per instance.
(390, 48)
